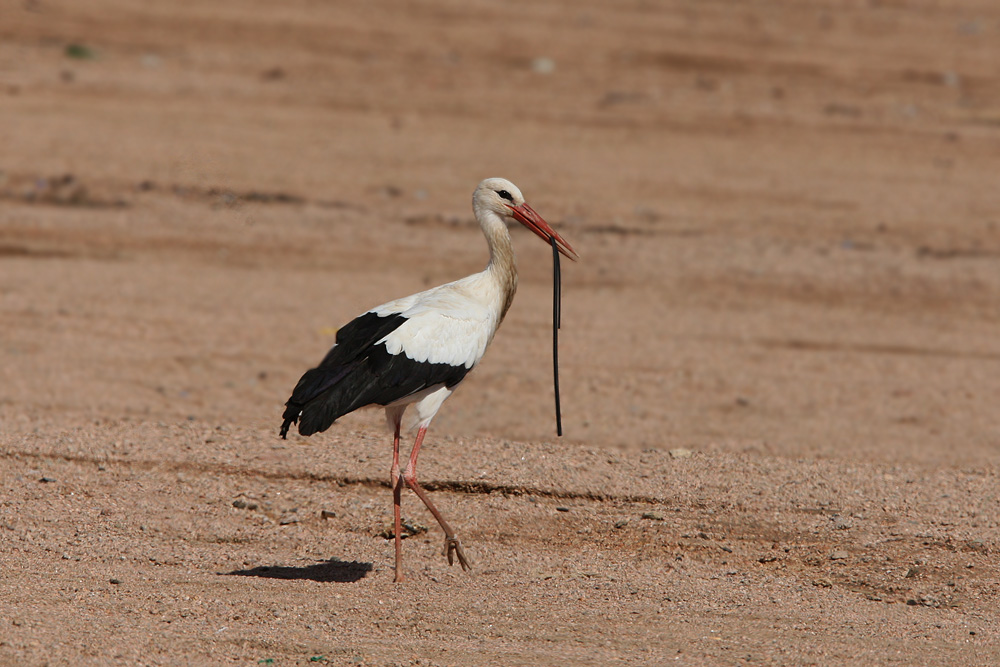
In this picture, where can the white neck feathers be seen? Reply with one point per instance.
(502, 267)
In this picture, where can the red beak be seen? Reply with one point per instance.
(530, 219)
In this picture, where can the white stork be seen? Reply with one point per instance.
(416, 350)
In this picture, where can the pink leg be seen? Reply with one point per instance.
(397, 490)
(452, 545)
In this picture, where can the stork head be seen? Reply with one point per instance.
(500, 196)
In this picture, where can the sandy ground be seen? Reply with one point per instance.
(780, 361)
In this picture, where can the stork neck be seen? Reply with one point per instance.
(502, 267)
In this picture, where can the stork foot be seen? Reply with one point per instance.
(453, 548)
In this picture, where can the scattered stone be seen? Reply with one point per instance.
(288, 519)
(621, 523)
(653, 516)
(977, 546)
(80, 52)
(767, 559)
(562, 509)
(115, 581)
(840, 554)
(47, 480)
(409, 529)
(543, 65)
(412, 528)
(327, 514)
(823, 582)
(914, 572)
(680, 453)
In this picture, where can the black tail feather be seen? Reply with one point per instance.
(316, 386)
(287, 423)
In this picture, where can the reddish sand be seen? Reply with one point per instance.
(780, 360)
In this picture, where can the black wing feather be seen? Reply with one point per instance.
(356, 337)
(356, 372)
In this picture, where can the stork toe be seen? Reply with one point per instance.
(453, 547)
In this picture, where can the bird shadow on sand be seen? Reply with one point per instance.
(333, 570)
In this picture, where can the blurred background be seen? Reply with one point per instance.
(787, 212)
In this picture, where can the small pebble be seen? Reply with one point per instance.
(839, 555)
(115, 581)
(654, 516)
(562, 509)
(680, 453)
(409, 529)
(543, 65)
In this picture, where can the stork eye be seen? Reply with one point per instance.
(505, 195)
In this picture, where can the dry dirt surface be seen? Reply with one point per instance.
(780, 352)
